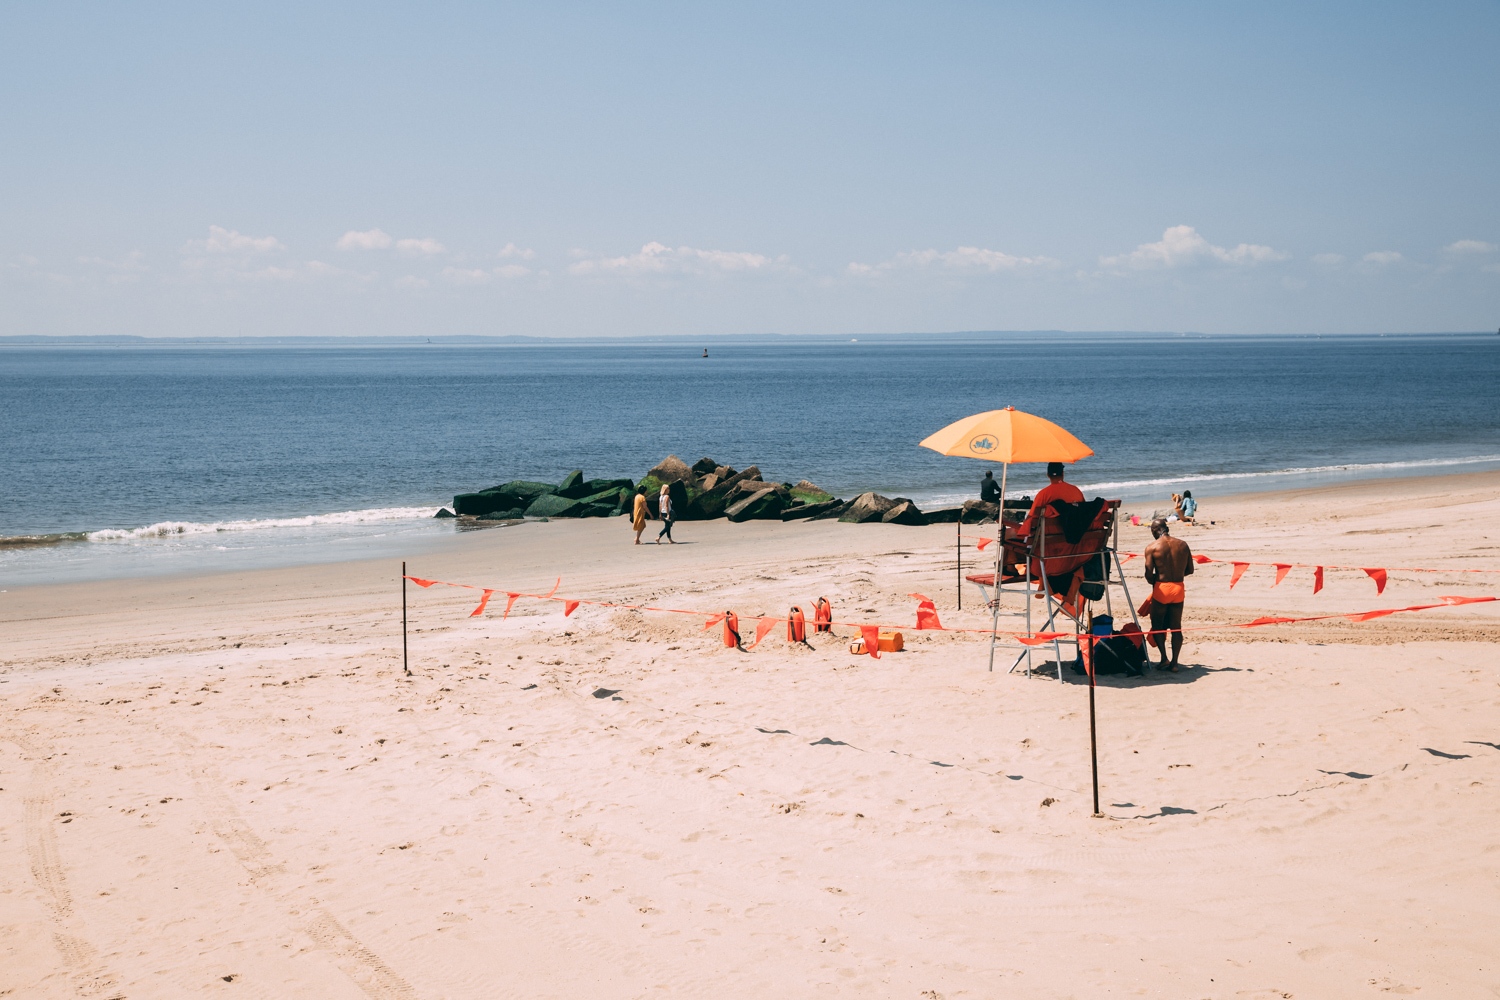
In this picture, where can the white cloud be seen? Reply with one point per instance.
(512, 271)
(370, 239)
(1183, 246)
(412, 281)
(1383, 257)
(1328, 259)
(423, 247)
(227, 241)
(964, 259)
(511, 250)
(655, 258)
(1471, 246)
(467, 276)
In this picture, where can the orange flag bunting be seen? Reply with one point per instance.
(1282, 569)
(1127, 557)
(569, 607)
(927, 616)
(1317, 579)
(984, 542)
(1267, 621)
(712, 622)
(1037, 638)
(482, 602)
(421, 582)
(762, 629)
(1200, 560)
(871, 635)
(554, 588)
(510, 600)
(1372, 614)
(1465, 600)
(1086, 653)
(1378, 575)
(1239, 571)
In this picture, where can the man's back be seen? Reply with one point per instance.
(1168, 559)
(989, 490)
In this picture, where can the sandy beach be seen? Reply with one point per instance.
(224, 785)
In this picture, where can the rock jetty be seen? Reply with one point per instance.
(702, 491)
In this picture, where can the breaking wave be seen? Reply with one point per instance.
(178, 529)
(1312, 470)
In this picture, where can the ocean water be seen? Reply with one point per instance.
(148, 458)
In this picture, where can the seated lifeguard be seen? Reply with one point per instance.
(1056, 489)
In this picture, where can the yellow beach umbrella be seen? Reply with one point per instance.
(1006, 436)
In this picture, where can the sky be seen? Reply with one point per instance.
(583, 169)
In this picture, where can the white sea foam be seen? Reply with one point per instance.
(175, 529)
(1313, 470)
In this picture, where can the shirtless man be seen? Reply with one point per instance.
(1169, 562)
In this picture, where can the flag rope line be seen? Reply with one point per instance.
(926, 616)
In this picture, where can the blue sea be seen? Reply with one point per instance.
(148, 457)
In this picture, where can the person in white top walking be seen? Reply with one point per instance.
(665, 508)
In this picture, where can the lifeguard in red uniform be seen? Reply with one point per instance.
(1056, 489)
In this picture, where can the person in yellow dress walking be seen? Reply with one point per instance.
(638, 519)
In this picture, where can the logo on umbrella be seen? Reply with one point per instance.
(983, 444)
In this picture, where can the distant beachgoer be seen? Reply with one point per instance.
(638, 517)
(1169, 562)
(1057, 489)
(1187, 507)
(665, 507)
(989, 490)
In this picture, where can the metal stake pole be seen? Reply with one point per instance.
(405, 663)
(1093, 732)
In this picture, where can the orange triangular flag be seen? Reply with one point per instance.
(1282, 569)
(1200, 560)
(1378, 575)
(762, 629)
(712, 622)
(510, 600)
(482, 602)
(569, 607)
(871, 635)
(1239, 571)
(421, 582)
(1317, 579)
(983, 542)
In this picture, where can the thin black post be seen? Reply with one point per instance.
(958, 556)
(405, 664)
(1093, 730)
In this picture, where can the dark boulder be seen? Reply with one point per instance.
(813, 511)
(944, 515)
(554, 506)
(572, 486)
(523, 488)
(704, 466)
(479, 504)
(592, 486)
(708, 482)
(905, 512)
(599, 510)
(865, 508)
(763, 505)
(503, 515)
(444, 512)
(980, 512)
(678, 491)
(706, 506)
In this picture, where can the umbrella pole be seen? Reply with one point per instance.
(958, 557)
(999, 566)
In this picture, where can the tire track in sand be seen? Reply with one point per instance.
(364, 967)
(89, 977)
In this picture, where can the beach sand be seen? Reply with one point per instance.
(224, 785)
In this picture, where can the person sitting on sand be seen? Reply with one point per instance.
(1169, 562)
(1056, 489)
(1187, 507)
(638, 518)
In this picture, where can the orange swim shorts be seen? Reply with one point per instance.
(1169, 593)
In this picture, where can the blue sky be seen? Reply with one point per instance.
(578, 169)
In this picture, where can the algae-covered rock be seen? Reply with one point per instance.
(444, 512)
(550, 505)
(572, 485)
(813, 511)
